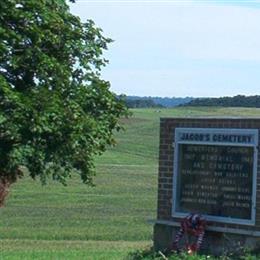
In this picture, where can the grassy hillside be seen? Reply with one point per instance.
(101, 222)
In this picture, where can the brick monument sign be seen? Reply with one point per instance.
(210, 166)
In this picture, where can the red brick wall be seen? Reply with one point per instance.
(166, 160)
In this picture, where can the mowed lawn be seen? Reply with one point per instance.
(102, 222)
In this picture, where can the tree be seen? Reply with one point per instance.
(56, 113)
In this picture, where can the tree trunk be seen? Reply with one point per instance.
(4, 190)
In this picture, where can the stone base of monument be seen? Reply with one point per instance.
(215, 243)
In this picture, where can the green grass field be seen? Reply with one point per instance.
(102, 222)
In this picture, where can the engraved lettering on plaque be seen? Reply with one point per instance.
(214, 173)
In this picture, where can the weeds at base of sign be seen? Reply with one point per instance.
(151, 254)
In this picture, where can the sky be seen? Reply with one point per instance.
(170, 48)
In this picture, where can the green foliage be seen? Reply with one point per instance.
(151, 254)
(56, 112)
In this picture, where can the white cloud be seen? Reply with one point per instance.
(204, 31)
(220, 33)
(152, 40)
(183, 82)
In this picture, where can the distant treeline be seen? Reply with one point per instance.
(159, 102)
(145, 102)
(141, 103)
(236, 101)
